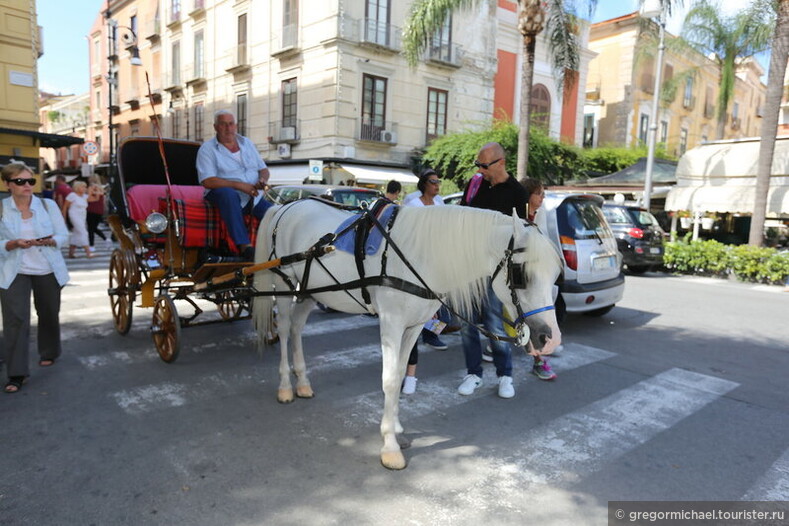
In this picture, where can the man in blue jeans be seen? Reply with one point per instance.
(233, 173)
(501, 192)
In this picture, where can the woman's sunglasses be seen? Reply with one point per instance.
(20, 181)
(485, 166)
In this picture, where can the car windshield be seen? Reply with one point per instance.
(583, 219)
(644, 218)
(354, 197)
(616, 215)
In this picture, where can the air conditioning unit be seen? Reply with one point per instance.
(287, 133)
(388, 136)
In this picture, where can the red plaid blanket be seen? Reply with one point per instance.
(202, 226)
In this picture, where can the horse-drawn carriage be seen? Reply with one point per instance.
(172, 244)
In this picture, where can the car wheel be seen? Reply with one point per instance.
(637, 269)
(599, 312)
(561, 309)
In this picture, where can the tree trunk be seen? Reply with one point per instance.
(772, 106)
(527, 76)
(720, 128)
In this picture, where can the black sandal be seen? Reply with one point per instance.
(14, 384)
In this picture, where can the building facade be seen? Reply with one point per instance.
(65, 115)
(620, 92)
(318, 80)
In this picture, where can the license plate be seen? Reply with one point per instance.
(654, 250)
(604, 263)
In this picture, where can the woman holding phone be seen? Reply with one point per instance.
(32, 230)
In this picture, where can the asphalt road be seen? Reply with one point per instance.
(678, 394)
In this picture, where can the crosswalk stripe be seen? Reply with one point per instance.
(581, 442)
(774, 484)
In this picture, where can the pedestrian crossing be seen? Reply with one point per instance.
(556, 453)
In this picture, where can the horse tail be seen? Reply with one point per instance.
(263, 305)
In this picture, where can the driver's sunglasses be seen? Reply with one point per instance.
(20, 181)
(485, 166)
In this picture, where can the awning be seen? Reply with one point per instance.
(288, 173)
(379, 174)
(728, 198)
(47, 140)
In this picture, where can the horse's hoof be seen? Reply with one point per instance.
(304, 391)
(285, 396)
(393, 460)
(403, 442)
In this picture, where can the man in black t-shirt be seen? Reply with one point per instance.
(497, 191)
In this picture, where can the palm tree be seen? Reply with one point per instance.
(428, 16)
(772, 106)
(728, 41)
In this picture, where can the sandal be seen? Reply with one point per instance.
(14, 384)
(46, 362)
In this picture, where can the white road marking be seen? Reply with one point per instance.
(774, 484)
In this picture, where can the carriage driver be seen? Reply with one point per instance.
(234, 175)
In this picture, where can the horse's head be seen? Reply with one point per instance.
(525, 283)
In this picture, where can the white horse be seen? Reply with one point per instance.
(454, 249)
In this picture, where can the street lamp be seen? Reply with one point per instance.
(652, 9)
(129, 38)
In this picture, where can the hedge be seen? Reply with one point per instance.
(712, 258)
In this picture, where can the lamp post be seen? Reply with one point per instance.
(130, 39)
(652, 9)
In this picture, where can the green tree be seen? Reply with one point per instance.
(772, 106)
(728, 40)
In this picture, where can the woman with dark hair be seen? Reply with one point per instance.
(428, 186)
(536, 192)
(32, 230)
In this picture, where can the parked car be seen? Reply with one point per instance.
(453, 199)
(638, 235)
(593, 280)
(347, 195)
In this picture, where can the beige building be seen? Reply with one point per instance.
(316, 80)
(65, 115)
(620, 91)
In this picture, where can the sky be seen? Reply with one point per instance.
(63, 68)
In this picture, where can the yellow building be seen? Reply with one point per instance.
(620, 92)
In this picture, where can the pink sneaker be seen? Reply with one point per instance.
(542, 370)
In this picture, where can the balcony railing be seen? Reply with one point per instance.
(379, 33)
(284, 134)
(153, 28)
(689, 103)
(194, 73)
(446, 53)
(172, 81)
(236, 59)
(173, 16)
(374, 130)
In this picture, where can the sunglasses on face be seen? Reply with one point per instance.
(434, 181)
(485, 166)
(20, 181)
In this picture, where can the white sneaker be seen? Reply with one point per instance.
(409, 385)
(470, 384)
(506, 390)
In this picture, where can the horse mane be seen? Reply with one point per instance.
(455, 249)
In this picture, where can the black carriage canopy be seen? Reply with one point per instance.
(139, 162)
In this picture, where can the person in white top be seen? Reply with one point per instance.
(75, 207)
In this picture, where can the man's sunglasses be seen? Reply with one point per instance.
(20, 181)
(485, 166)
(434, 181)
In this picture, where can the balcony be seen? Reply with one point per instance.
(287, 42)
(172, 81)
(153, 29)
(379, 34)
(173, 17)
(689, 103)
(198, 9)
(194, 73)
(237, 59)
(382, 132)
(446, 54)
(279, 134)
(131, 95)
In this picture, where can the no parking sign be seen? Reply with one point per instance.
(316, 170)
(90, 148)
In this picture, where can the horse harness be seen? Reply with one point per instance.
(362, 226)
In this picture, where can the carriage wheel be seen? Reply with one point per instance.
(166, 329)
(120, 292)
(229, 307)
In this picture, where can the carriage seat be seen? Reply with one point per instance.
(201, 225)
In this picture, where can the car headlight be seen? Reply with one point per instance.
(156, 223)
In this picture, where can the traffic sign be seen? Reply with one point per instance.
(316, 170)
(90, 148)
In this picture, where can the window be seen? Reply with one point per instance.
(735, 110)
(290, 22)
(241, 113)
(708, 103)
(436, 113)
(376, 28)
(241, 55)
(177, 124)
(198, 57)
(588, 130)
(175, 10)
(683, 140)
(373, 107)
(687, 100)
(441, 44)
(540, 106)
(175, 63)
(199, 121)
(134, 129)
(663, 131)
(643, 128)
(133, 25)
(289, 101)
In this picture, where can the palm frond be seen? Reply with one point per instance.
(424, 19)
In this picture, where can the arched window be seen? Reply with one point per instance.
(540, 106)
